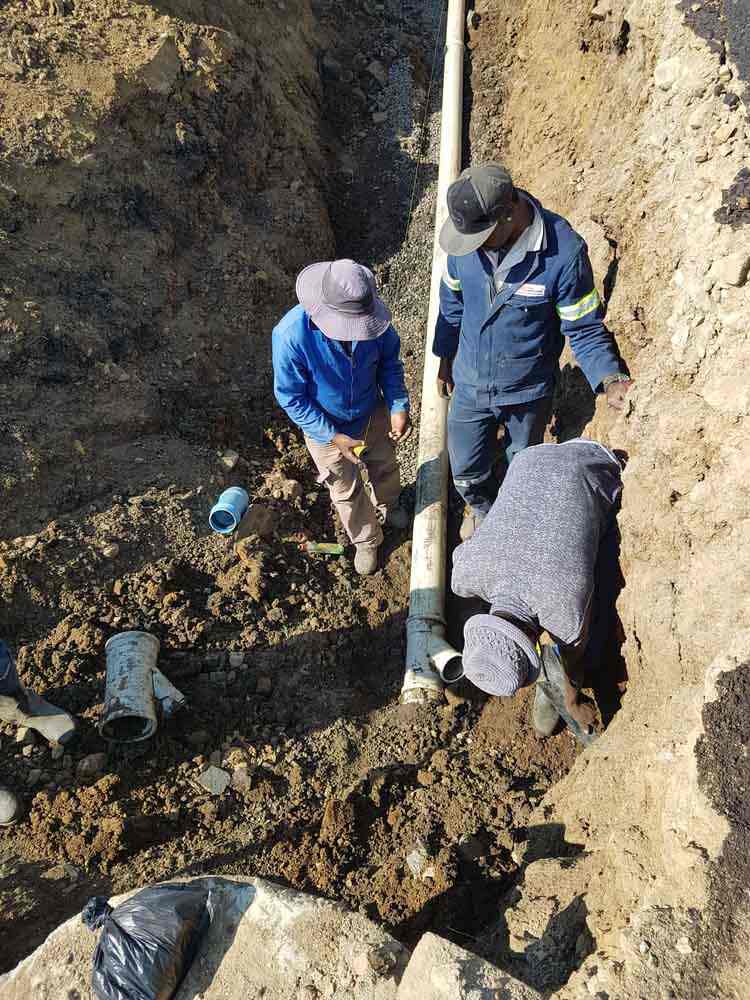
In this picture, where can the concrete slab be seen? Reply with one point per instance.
(265, 941)
(440, 970)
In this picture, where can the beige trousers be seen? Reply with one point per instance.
(349, 495)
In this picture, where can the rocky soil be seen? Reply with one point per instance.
(179, 177)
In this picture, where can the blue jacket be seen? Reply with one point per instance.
(507, 345)
(324, 390)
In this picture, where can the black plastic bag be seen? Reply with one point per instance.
(147, 943)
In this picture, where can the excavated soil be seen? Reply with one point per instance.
(144, 272)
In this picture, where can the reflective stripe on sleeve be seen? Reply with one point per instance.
(580, 308)
(453, 283)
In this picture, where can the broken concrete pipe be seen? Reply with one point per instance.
(135, 689)
(229, 510)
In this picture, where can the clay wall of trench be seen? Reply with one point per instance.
(617, 115)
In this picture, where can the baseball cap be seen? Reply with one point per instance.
(477, 200)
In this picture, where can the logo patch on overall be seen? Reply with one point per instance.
(532, 291)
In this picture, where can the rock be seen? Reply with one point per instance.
(441, 970)
(290, 489)
(666, 73)
(161, 72)
(702, 156)
(242, 780)
(378, 72)
(724, 133)
(229, 459)
(331, 67)
(682, 945)
(731, 270)
(198, 738)
(215, 780)
(264, 685)
(92, 765)
(25, 737)
(236, 659)
(416, 859)
(725, 73)
(111, 551)
(260, 521)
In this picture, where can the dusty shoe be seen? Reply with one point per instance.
(10, 808)
(366, 559)
(469, 525)
(27, 708)
(544, 715)
(397, 518)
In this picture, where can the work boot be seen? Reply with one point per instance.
(469, 525)
(366, 559)
(10, 807)
(397, 518)
(27, 708)
(544, 715)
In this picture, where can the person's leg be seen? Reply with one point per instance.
(525, 424)
(382, 467)
(348, 494)
(472, 439)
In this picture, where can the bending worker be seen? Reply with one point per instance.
(339, 377)
(518, 280)
(533, 561)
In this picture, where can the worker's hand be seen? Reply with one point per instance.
(345, 444)
(445, 383)
(616, 393)
(401, 427)
(582, 710)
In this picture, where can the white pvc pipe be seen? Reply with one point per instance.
(426, 623)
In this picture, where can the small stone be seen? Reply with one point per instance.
(264, 685)
(214, 780)
(111, 551)
(378, 72)
(236, 659)
(25, 737)
(731, 270)
(417, 858)
(242, 779)
(666, 73)
(644, 947)
(701, 156)
(682, 944)
(92, 765)
(725, 74)
(382, 960)
(229, 459)
(723, 133)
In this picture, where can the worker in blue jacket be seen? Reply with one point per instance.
(339, 377)
(518, 280)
